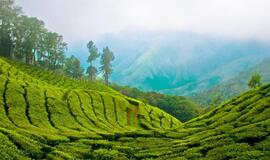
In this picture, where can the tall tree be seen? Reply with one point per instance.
(93, 51)
(49, 46)
(27, 39)
(73, 67)
(57, 55)
(8, 14)
(42, 48)
(255, 81)
(52, 53)
(27, 34)
(106, 67)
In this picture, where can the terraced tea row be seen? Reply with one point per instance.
(40, 107)
(56, 79)
(41, 119)
(238, 129)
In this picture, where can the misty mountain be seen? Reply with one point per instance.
(234, 86)
(180, 63)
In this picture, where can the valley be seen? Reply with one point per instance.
(134, 80)
(44, 115)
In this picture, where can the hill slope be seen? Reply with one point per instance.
(235, 85)
(180, 107)
(47, 119)
(237, 129)
(43, 109)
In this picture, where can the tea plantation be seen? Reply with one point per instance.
(47, 116)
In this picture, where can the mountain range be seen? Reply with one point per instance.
(181, 63)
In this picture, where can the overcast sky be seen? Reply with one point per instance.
(81, 20)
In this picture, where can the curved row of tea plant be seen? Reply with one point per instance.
(49, 109)
(237, 129)
(58, 80)
(41, 118)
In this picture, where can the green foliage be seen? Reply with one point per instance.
(106, 67)
(73, 67)
(27, 39)
(91, 70)
(45, 115)
(92, 49)
(9, 14)
(178, 106)
(255, 81)
(49, 116)
(240, 151)
(105, 154)
(9, 150)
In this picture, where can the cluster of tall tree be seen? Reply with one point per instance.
(106, 58)
(27, 39)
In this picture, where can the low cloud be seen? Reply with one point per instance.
(82, 20)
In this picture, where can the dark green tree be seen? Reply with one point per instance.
(106, 67)
(73, 67)
(27, 34)
(92, 72)
(255, 81)
(57, 54)
(52, 50)
(26, 38)
(48, 49)
(93, 51)
(8, 16)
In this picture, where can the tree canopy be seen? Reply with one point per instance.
(28, 40)
(73, 67)
(93, 55)
(106, 67)
(255, 81)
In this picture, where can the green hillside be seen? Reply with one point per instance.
(237, 129)
(180, 107)
(45, 116)
(40, 110)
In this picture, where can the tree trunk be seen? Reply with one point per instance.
(5, 45)
(54, 64)
(28, 57)
(106, 76)
(34, 57)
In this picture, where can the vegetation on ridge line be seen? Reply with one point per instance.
(181, 107)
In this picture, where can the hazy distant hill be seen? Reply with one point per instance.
(235, 85)
(179, 63)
